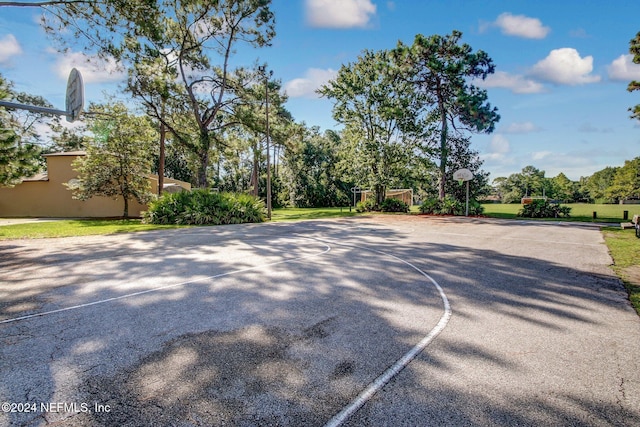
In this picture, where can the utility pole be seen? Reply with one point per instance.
(163, 133)
(266, 95)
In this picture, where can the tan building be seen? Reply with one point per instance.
(46, 196)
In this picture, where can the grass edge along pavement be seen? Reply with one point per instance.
(623, 246)
(75, 228)
(583, 212)
(86, 227)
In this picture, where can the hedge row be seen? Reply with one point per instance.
(201, 206)
(450, 206)
(389, 205)
(541, 208)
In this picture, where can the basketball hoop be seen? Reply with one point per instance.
(75, 96)
(464, 175)
(75, 100)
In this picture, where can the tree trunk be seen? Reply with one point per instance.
(254, 173)
(125, 214)
(203, 155)
(202, 169)
(443, 151)
(381, 194)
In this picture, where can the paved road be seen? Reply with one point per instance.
(285, 324)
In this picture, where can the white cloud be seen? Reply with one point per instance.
(497, 150)
(565, 66)
(590, 128)
(579, 33)
(523, 127)
(499, 144)
(9, 47)
(339, 13)
(521, 26)
(513, 82)
(541, 155)
(93, 69)
(624, 69)
(306, 86)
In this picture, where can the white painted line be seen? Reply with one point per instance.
(401, 363)
(175, 285)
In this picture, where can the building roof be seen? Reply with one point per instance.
(66, 153)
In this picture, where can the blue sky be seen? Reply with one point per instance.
(562, 68)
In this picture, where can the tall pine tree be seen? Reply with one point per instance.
(17, 159)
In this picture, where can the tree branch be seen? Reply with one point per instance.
(43, 3)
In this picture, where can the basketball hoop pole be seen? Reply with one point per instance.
(467, 210)
(33, 108)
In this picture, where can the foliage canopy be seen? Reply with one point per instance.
(440, 69)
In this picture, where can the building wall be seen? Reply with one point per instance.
(51, 199)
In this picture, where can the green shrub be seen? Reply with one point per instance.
(201, 206)
(541, 208)
(389, 205)
(394, 205)
(367, 206)
(430, 206)
(450, 206)
(475, 208)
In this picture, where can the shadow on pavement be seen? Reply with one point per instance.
(291, 344)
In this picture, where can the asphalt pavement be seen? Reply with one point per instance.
(286, 324)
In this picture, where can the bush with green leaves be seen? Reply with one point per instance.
(389, 205)
(429, 206)
(394, 205)
(201, 206)
(367, 206)
(450, 206)
(541, 208)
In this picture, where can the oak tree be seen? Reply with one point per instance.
(380, 115)
(178, 56)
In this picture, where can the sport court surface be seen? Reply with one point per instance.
(286, 323)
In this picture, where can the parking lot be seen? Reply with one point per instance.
(285, 324)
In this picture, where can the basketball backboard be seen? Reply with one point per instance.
(75, 95)
(75, 100)
(463, 175)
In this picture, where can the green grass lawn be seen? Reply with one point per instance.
(624, 248)
(579, 211)
(294, 214)
(69, 228)
(79, 227)
(65, 228)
